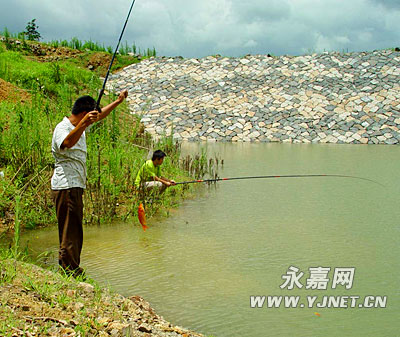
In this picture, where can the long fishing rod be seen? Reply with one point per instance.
(275, 176)
(112, 60)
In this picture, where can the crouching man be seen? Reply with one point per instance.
(149, 176)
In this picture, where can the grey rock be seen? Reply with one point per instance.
(282, 90)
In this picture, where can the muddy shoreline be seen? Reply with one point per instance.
(38, 302)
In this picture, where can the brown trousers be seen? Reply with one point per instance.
(69, 210)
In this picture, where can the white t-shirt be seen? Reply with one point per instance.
(70, 167)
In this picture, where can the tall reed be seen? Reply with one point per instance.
(17, 225)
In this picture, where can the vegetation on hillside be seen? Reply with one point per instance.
(34, 96)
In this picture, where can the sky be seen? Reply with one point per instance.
(198, 28)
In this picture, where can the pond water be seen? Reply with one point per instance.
(199, 267)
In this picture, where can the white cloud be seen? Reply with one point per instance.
(250, 44)
(342, 40)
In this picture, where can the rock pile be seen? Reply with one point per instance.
(326, 98)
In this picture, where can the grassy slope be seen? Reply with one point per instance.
(34, 301)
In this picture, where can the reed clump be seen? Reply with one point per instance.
(200, 165)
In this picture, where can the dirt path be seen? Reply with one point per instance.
(11, 93)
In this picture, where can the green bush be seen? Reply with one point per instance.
(32, 32)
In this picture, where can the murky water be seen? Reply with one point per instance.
(200, 266)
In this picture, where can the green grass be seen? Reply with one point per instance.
(40, 301)
(89, 45)
(61, 79)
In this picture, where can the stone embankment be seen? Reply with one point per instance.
(325, 98)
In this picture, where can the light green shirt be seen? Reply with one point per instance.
(147, 171)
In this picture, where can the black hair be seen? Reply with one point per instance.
(158, 154)
(84, 103)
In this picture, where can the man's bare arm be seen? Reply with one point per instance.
(110, 107)
(165, 182)
(169, 180)
(76, 133)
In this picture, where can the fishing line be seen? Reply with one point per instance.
(270, 177)
(112, 60)
(277, 176)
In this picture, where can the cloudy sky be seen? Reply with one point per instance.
(197, 28)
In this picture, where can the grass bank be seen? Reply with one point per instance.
(39, 302)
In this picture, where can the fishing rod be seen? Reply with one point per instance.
(112, 60)
(276, 176)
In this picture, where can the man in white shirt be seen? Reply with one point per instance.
(69, 177)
